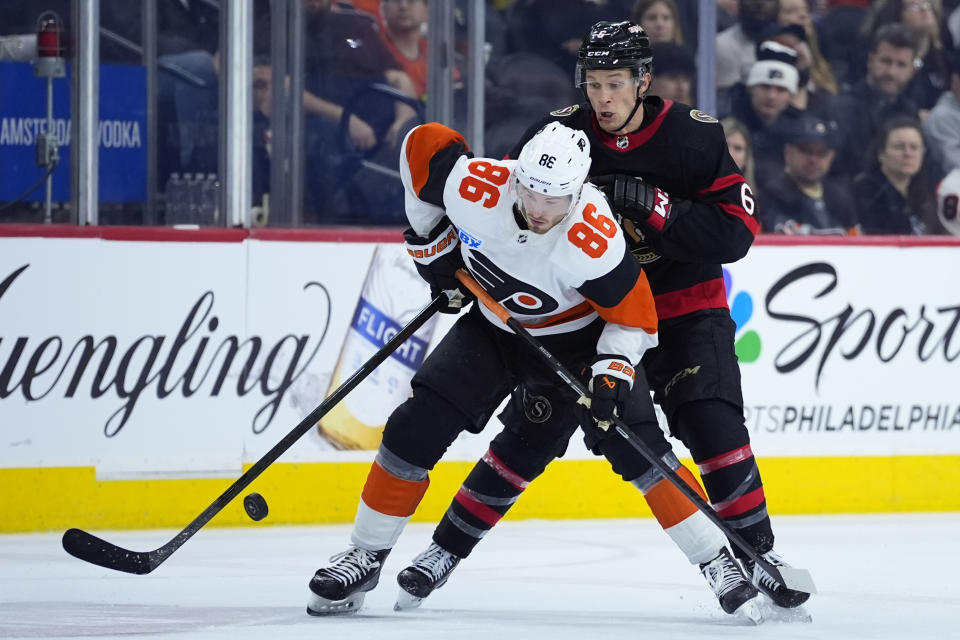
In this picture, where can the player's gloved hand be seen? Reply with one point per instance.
(634, 199)
(610, 384)
(437, 258)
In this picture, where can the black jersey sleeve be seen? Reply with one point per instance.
(713, 219)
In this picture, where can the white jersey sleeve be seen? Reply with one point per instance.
(427, 155)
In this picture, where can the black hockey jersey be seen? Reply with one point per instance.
(682, 151)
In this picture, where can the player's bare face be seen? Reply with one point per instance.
(540, 211)
(612, 94)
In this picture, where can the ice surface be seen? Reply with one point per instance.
(880, 577)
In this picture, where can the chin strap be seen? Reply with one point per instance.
(636, 105)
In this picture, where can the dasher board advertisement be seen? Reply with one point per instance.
(165, 359)
(848, 350)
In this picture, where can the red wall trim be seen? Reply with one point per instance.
(390, 234)
(772, 239)
(171, 234)
(330, 234)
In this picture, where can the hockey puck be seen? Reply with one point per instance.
(255, 506)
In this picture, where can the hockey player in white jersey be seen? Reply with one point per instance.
(545, 245)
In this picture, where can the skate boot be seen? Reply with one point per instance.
(733, 590)
(429, 570)
(342, 586)
(778, 593)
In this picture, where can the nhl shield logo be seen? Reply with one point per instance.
(623, 142)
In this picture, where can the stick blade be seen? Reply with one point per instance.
(797, 579)
(90, 548)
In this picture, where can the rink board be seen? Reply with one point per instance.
(53, 499)
(142, 370)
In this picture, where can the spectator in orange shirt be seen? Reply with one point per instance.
(404, 25)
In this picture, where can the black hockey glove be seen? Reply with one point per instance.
(437, 258)
(610, 383)
(634, 199)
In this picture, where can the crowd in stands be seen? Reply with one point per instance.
(843, 114)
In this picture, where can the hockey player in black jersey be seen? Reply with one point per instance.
(686, 210)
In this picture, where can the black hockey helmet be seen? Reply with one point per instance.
(614, 45)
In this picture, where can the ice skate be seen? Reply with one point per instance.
(342, 586)
(778, 593)
(429, 570)
(735, 593)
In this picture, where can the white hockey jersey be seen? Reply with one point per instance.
(554, 282)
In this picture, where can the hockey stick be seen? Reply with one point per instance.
(797, 579)
(90, 548)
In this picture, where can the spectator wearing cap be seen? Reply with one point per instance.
(895, 193)
(763, 102)
(766, 93)
(942, 125)
(796, 13)
(878, 97)
(674, 72)
(816, 87)
(800, 199)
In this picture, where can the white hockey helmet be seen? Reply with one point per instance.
(555, 162)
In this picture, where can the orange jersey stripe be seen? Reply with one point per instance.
(423, 143)
(390, 495)
(668, 504)
(636, 309)
(574, 313)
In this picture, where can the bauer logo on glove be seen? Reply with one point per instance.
(436, 248)
(437, 258)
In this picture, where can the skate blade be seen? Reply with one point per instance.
(318, 606)
(406, 601)
(752, 611)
